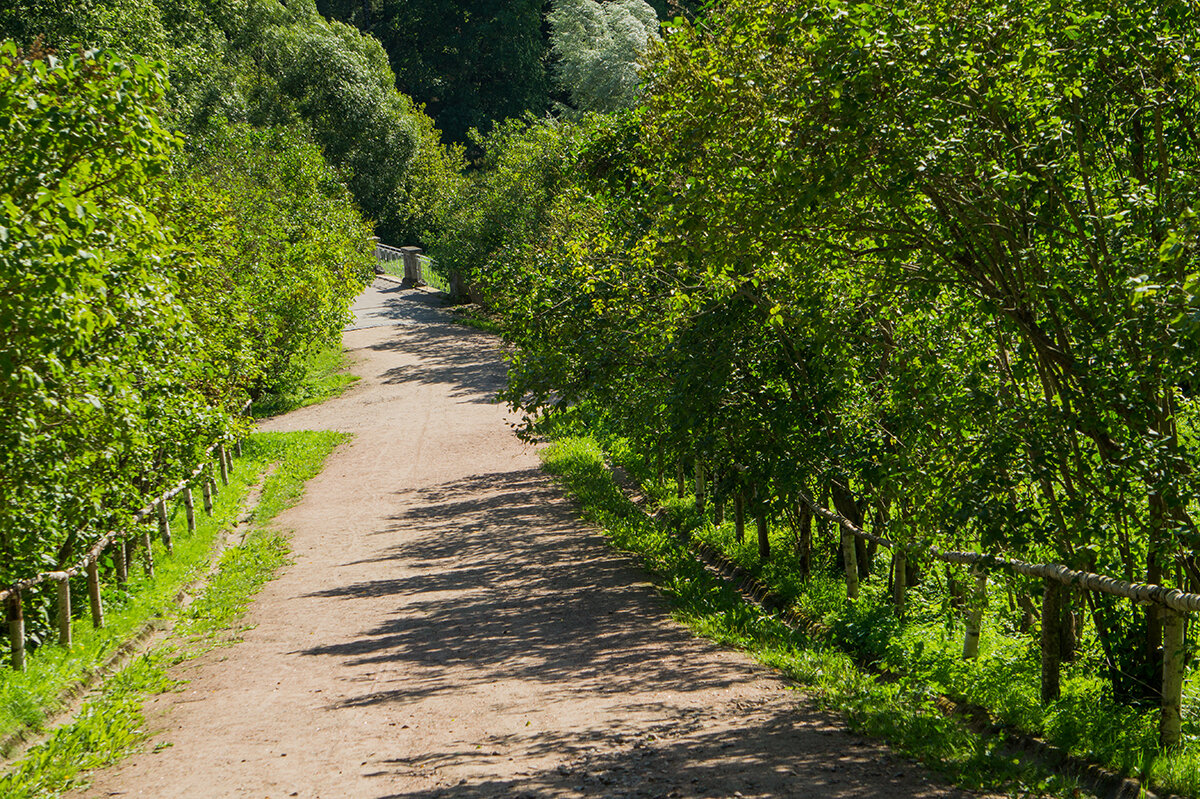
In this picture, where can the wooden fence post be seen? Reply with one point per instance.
(680, 480)
(64, 611)
(148, 552)
(228, 460)
(739, 515)
(224, 465)
(206, 490)
(1051, 654)
(701, 493)
(93, 581)
(189, 507)
(237, 445)
(899, 580)
(16, 630)
(850, 563)
(121, 556)
(976, 603)
(164, 525)
(764, 543)
(1174, 660)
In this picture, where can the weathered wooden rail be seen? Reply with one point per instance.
(1174, 605)
(89, 563)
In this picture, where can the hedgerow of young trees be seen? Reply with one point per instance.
(931, 265)
(187, 192)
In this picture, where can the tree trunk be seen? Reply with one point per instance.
(804, 540)
(739, 516)
(1174, 660)
(16, 630)
(899, 580)
(849, 564)
(975, 607)
(764, 543)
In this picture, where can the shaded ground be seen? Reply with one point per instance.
(450, 629)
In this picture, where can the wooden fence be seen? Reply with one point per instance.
(125, 543)
(1172, 605)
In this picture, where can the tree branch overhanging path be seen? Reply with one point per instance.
(450, 628)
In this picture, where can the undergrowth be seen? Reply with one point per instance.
(110, 725)
(325, 377)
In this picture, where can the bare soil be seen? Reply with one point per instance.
(449, 628)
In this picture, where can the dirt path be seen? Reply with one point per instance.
(449, 629)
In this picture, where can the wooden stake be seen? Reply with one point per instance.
(16, 631)
(739, 516)
(64, 612)
(93, 582)
(850, 563)
(189, 507)
(164, 525)
(701, 494)
(977, 602)
(147, 552)
(764, 543)
(899, 580)
(224, 464)
(238, 447)
(121, 556)
(206, 490)
(229, 461)
(1051, 655)
(1174, 660)
(718, 510)
(680, 480)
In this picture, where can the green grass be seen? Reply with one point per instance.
(110, 724)
(902, 711)
(325, 377)
(471, 316)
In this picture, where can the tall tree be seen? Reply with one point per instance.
(471, 64)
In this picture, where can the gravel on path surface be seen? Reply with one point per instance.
(449, 628)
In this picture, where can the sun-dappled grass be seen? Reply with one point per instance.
(110, 724)
(325, 377)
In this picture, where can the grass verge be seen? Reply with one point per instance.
(110, 724)
(904, 711)
(325, 377)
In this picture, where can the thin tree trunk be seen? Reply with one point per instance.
(739, 516)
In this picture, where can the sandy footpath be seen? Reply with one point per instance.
(450, 629)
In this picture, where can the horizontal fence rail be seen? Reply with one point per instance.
(1172, 598)
(1173, 604)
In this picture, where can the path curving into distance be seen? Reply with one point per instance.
(449, 628)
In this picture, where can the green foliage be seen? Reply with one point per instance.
(470, 63)
(147, 290)
(272, 64)
(275, 229)
(503, 206)
(100, 378)
(596, 47)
